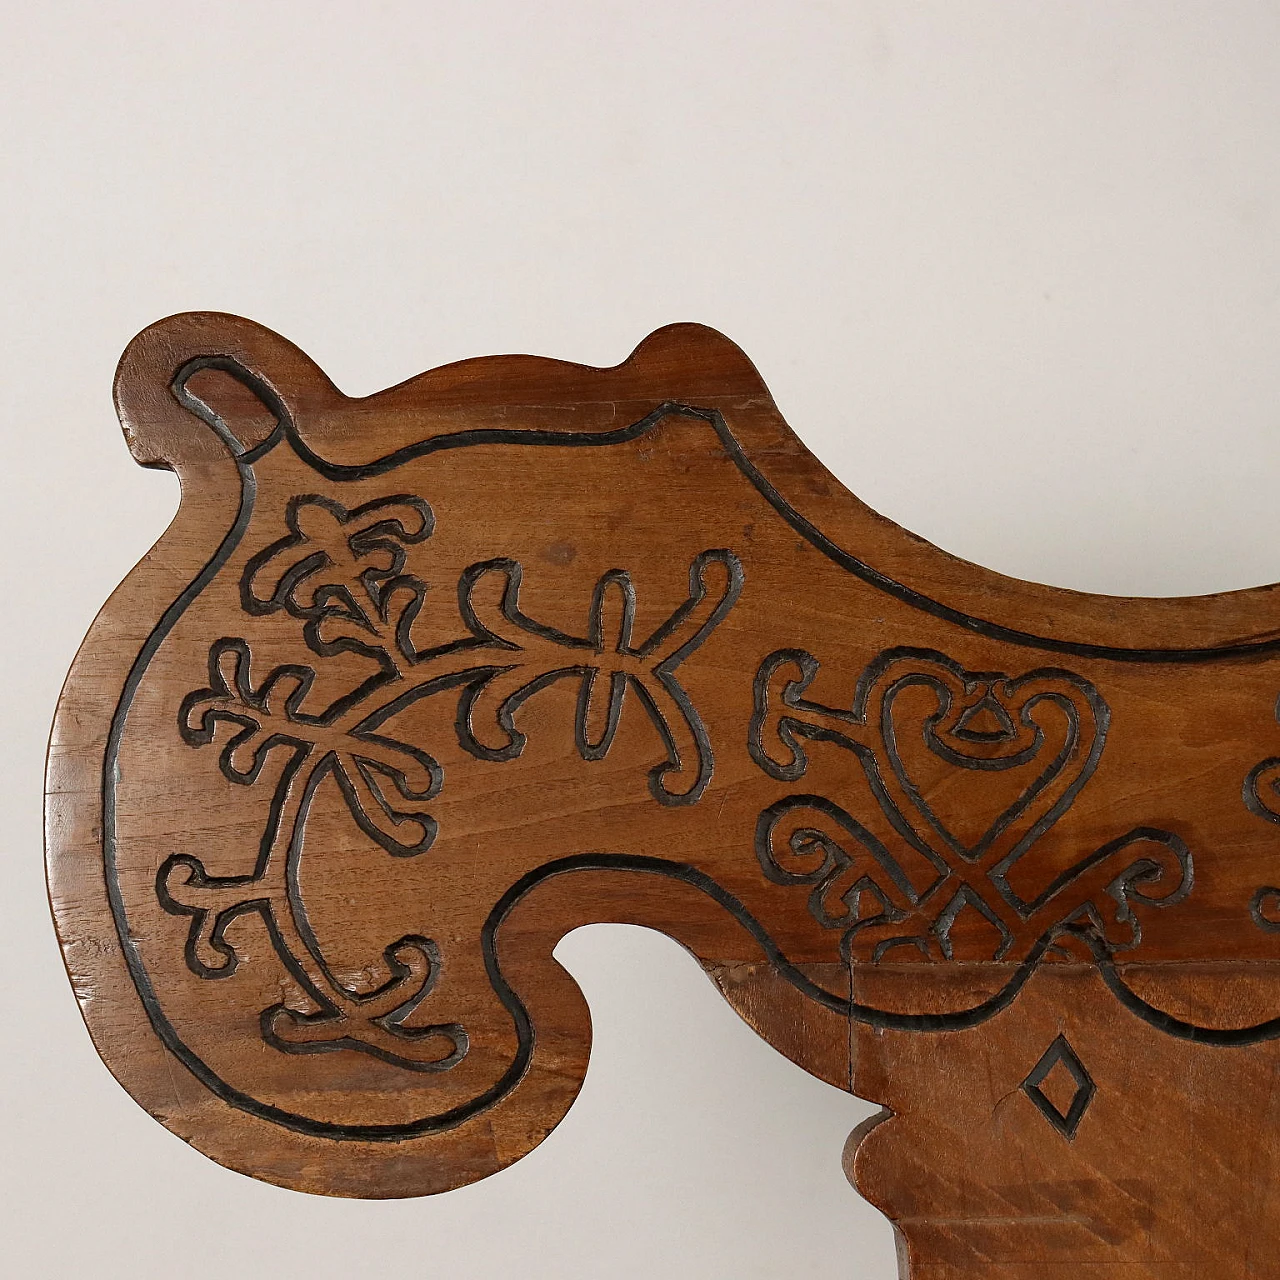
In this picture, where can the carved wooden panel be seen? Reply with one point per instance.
(416, 683)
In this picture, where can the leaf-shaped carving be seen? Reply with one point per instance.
(385, 781)
(606, 660)
(263, 718)
(333, 556)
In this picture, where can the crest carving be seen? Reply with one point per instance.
(418, 683)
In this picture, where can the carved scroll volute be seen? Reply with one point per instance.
(415, 684)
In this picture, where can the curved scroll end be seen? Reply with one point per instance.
(1265, 909)
(375, 1023)
(418, 1075)
(772, 738)
(200, 384)
(1261, 793)
(715, 583)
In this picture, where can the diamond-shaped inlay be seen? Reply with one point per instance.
(1061, 1060)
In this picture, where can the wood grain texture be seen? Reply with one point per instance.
(416, 683)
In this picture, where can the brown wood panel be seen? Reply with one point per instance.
(415, 683)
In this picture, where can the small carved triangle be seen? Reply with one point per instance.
(985, 721)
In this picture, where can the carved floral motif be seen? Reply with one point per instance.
(341, 573)
(919, 724)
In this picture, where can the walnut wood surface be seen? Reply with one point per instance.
(418, 682)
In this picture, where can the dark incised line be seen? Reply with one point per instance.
(191, 402)
(846, 560)
(620, 435)
(681, 872)
(908, 595)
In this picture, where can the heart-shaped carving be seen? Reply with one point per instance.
(977, 765)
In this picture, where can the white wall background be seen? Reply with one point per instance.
(1011, 270)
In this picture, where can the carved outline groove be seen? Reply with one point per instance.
(343, 577)
(1264, 908)
(285, 430)
(935, 876)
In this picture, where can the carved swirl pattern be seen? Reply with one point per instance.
(1262, 796)
(919, 726)
(341, 574)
